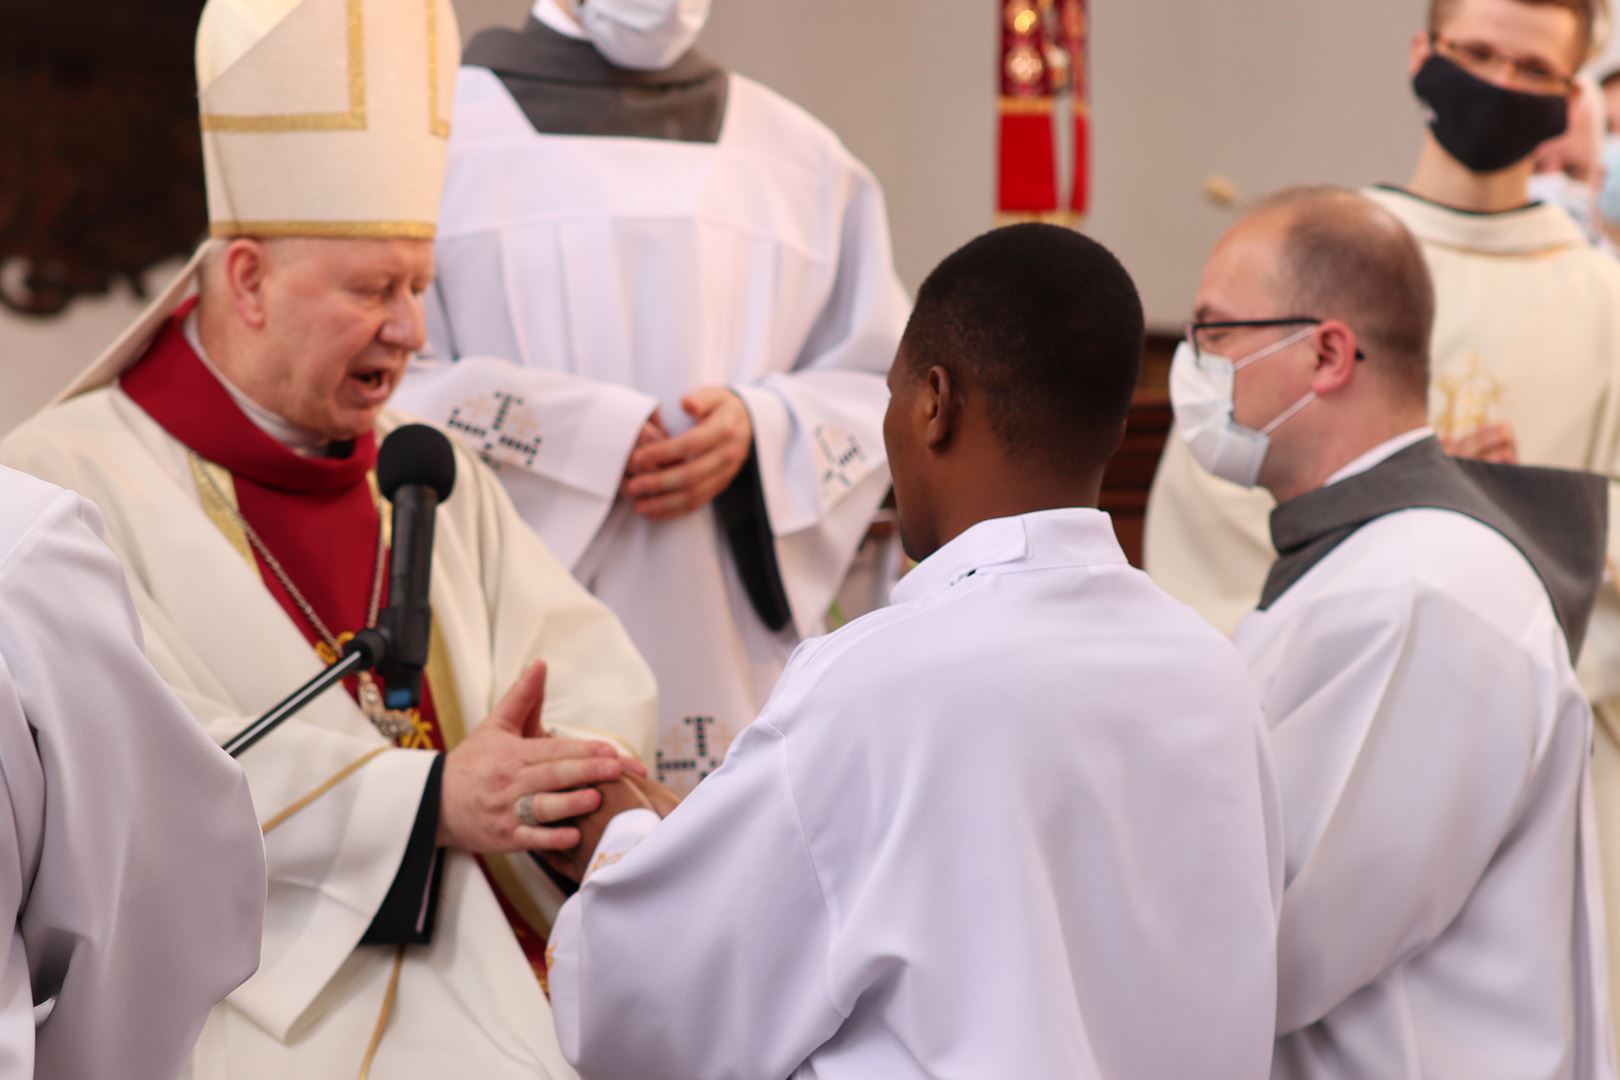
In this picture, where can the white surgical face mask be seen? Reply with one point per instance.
(1577, 199)
(1609, 197)
(646, 35)
(1201, 396)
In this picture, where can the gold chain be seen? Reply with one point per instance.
(393, 723)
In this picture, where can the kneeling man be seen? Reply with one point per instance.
(1021, 823)
(1414, 650)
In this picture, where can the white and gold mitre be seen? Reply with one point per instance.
(326, 117)
(319, 118)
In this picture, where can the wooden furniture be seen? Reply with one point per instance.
(100, 158)
(1130, 474)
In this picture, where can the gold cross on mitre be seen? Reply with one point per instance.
(326, 117)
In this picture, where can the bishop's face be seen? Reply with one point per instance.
(342, 318)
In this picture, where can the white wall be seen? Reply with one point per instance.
(1269, 92)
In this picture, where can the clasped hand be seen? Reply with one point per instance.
(509, 756)
(670, 476)
(631, 791)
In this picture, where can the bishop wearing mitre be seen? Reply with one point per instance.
(229, 437)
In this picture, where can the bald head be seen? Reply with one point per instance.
(1341, 256)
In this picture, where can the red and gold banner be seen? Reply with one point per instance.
(1043, 55)
(1074, 31)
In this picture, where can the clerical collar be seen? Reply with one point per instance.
(1380, 453)
(1070, 536)
(301, 442)
(1532, 231)
(550, 13)
(1396, 189)
(171, 384)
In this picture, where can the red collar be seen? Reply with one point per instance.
(176, 389)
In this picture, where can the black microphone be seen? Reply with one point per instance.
(416, 470)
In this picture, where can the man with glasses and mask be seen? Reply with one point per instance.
(1414, 650)
(1525, 356)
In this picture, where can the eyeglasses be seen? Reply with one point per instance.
(1205, 338)
(1482, 61)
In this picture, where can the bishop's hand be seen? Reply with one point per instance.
(508, 757)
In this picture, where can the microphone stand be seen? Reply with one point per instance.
(363, 652)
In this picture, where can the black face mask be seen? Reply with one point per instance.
(1484, 126)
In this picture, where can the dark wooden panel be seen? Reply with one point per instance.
(100, 158)
(1130, 474)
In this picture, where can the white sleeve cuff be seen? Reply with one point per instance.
(623, 833)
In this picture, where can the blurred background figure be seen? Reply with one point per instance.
(665, 302)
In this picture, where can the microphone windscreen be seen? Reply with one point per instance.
(416, 454)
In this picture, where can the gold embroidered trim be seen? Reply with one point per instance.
(437, 125)
(360, 230)
(352, 120)
(221, 515)
(1025, 106)
(384, 1015)
(446, 695)
(336, 779)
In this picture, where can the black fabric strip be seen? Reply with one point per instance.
(747, 524)
(1558, 519)
(408, 912)
(565, 87)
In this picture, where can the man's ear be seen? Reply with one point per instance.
(1336, 351)
(243, 268)
(1417, 54)
(939, 403)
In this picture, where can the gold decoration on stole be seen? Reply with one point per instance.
(1465, 398)
(201, 472)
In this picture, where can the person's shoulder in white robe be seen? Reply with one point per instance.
(1428, 729)
(132, 879)
(1002, 828)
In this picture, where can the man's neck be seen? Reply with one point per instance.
(208, 343)
(1344, 449)
(968, 507)
(1442, 179)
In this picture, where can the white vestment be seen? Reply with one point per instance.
(1022, 823)
(1527, 331)
(1443, 914)
(584, 281)
(336, 800)
(132, 872)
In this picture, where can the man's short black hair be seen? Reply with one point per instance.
(1045, 327)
